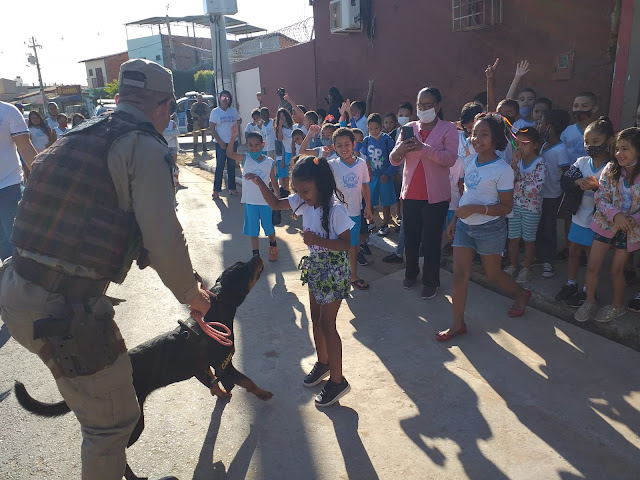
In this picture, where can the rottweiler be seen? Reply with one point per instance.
(183, 353)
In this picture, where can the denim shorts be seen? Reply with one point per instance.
(486, 239)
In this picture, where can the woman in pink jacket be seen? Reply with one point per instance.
(429, 147)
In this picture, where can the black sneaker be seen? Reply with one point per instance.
(577, 299)
(392, 258)
(634, 303)
(319, 372)
(364, 248)
(332, 392)
(428, 292)
(566, 292)
(362, 260)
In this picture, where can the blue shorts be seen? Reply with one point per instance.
(524, 224)
(486, 239)
(283, 172)
(382, 193)
(253, 216)
(581, 235)
(355, 230)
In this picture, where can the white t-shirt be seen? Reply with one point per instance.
(301, 127)
(457, 171)
(455, 174)
(482, 183)
(12, 124)
(250, 192)
(555, 157)
(522, 123)
(60, 133)
(584, 215)
(573, 139)
(339, 221)
(171, 133)
(270, 136)
(286, 139)
(506, 154)
(38, 138)
(251, 127)
(53, 124)
(349, 180)
(224, 120)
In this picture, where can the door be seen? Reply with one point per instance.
(100, 77)
(247, 85)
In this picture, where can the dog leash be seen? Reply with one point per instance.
(222, 337)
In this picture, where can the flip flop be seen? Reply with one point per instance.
(515, 312)
(445, 337)
(360, 284)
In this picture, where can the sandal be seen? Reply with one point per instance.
(446, 336)
(360, 284)
(518, 312)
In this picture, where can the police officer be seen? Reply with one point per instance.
(200, 116)
(97, 199)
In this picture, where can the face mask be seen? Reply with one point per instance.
(358, 146)
(427, 116)
(326, 142)
(579, 115)
(525, 112)
(255, 155)
(596, 150)
(403, 121)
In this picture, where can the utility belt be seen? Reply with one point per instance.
(81, 343)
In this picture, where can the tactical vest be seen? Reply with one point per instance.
(69, 209)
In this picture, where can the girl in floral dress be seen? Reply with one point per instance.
(326, 269)
(529, 173)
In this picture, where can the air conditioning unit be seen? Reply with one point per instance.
(344, 16)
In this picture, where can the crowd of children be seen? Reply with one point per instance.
(512, 176)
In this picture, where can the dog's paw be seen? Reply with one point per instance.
(263, 394)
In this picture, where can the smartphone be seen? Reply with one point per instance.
(407, 132)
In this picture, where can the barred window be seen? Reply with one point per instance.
(475, 14)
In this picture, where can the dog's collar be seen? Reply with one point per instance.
(190, 326)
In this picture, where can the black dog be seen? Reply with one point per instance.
(183, 353)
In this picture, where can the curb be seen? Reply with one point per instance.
(626, 333)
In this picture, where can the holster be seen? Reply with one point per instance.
(82, 343)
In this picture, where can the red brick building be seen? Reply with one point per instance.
(103, 70)
(405, 46)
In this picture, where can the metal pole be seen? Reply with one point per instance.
(172, 53)
(35, 47)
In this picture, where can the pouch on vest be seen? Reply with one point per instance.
(82, 344)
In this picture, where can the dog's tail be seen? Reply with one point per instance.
(35, 406)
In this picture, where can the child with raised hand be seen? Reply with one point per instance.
(585, 107)
(541, 106)
(325, 133)
(552, 123)
(376, 148)
(478, 225)
(530, 172)
(326, 269)
(526, 102)
(580, 183)
(352, 178)
(256, 209)
(284, 129)
(616, 222)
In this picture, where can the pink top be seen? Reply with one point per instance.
(435, 159)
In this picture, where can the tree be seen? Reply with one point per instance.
(110, 89)
(203, 80)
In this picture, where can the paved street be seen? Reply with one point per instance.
(532, 398)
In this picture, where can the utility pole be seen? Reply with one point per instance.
(33, 60)
(172, 52)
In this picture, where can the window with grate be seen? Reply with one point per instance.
(91, 72)
(475, 14)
